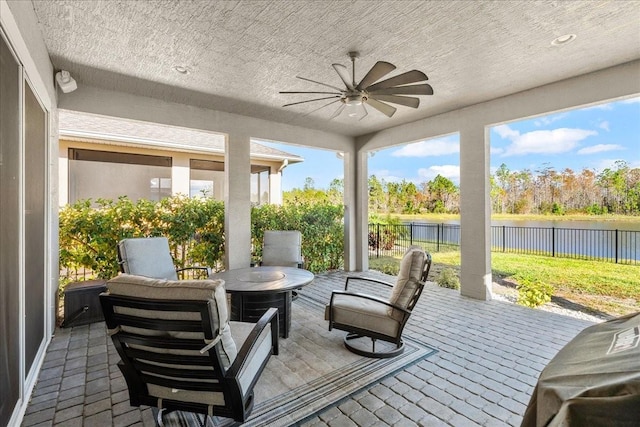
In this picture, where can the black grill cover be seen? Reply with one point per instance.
(593, 381)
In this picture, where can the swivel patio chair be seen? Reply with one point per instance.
(282, 248)
(365, 316)
(151, 257)
(178, 349)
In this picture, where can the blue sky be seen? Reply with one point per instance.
(593, 138)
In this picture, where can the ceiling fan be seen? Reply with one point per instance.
(368, 92)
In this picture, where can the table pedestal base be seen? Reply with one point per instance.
(247, 307)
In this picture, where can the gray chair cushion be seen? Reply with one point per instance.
(363, 313)
(196, 290)
(149, 257)
(409, 276)
(282, 248)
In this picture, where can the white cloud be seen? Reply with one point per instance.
(604, 125)
(496, 150)
(600, 148)
(385, 174)
(506, 132)
(451, 172)
(547, 120)
(631, 101)
(554, 141)
(432, 147)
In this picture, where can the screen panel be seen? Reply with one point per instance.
(10, 75)
(35, 164)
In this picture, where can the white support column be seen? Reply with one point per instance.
(180, 176)
(350, 210)
(237, 201)
(362, 210)
(275, 186)
(475, 212)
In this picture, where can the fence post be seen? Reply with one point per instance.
(504, 238)
(438, 237)
(411, 234)
(616, 246)
(553, 241)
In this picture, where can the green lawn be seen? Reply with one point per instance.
(599, 286)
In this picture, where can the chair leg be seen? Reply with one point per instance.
(374, 354)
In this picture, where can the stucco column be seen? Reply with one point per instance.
(475, 212)
(362, 210)
(180, 174)
(237, 201)
(275, 186)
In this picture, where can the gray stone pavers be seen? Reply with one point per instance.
(490, 354)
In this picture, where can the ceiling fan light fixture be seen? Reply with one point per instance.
(353, 100)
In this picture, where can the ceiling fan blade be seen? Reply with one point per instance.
(320, 108)
(378, 71)
(337, 112)
(310, 100)
(402, 100)
(327, 93)
(413, 76)
(343, 72)
(385, 109)
(423, 89)
(320, 83)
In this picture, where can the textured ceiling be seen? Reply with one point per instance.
(241, 53)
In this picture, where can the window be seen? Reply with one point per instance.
(108, 175)
(207, 179)
(260, 184)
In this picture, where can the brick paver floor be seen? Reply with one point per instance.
(489, 357)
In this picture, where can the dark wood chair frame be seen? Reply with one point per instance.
(132, 360)
(355, 332)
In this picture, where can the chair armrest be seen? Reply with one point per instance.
(367, 279)
(405, 311)
(269, 318)
(206, 270)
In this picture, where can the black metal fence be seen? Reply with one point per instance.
(619, 246)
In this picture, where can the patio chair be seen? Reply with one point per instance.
(151, 257)
(282, 248)
(365, 316)
(178, 349)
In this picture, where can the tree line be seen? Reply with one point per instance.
(615, 190)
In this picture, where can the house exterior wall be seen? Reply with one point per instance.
(137, 187)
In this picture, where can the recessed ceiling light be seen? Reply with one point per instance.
(182, 69)
(562, 40)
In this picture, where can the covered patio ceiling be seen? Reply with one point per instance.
(239, 54)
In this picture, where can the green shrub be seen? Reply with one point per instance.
(321, 226)
(448, 278)
(90, 232)
(533, 293)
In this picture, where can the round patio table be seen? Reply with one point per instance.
(253, 290)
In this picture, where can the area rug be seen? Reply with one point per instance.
(312, 372)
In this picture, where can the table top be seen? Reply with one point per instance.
(264, 279)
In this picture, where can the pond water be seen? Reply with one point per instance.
(616, 241)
